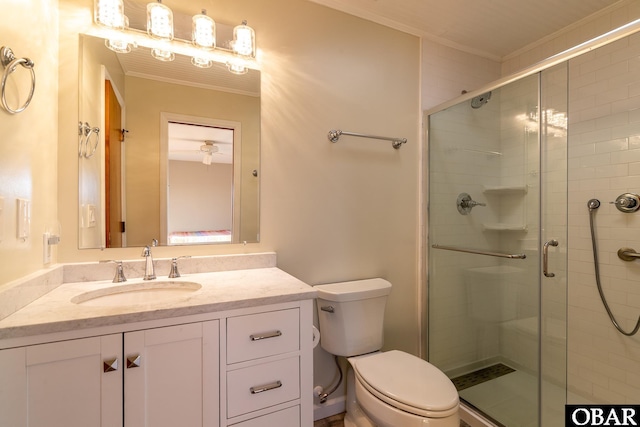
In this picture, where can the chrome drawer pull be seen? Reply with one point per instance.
(327, 308)
(264, 336)
(266, 387)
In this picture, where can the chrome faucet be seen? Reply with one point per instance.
(119, 277)
(149, 270)
(174, 266)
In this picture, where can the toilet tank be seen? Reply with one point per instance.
(351, 316)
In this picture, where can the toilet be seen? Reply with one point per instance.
(384, 389)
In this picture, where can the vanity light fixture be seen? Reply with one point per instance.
(113, 26)
(160, 27)
(203, 35)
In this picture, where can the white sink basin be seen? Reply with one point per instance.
(136, 293)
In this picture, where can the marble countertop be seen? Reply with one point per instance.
(220, 291)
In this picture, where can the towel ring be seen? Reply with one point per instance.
(85, 131)
(10, 63)
(91, 131)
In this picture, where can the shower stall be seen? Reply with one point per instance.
(514, 315)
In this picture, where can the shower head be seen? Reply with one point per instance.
(480, 100)
(593, 204)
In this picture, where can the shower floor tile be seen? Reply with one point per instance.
(512, 400)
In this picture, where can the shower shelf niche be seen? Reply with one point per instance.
(506, 191)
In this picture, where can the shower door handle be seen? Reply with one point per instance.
(545, 257)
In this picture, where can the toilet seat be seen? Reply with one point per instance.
(407, 382)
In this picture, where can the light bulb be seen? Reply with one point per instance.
(159, 21)
(237, 68)
(118, 46)
(244, 40)
(201, 62)
(203, 31)
(109, 13)
(207, 158)
(163, 55)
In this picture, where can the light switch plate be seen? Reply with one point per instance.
(23, 219)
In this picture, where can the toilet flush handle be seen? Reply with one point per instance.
(327, 308)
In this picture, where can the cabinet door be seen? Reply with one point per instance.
(172, 376)
(62, 384)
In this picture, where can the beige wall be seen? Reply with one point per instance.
(332, 212)
(28, 145)
(348, 210)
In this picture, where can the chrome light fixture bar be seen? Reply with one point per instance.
(112, 25)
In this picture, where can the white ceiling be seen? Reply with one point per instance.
(185, 141)
(490, 28)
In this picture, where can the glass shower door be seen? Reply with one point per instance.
(485, 248)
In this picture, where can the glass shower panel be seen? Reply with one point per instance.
(484, 197)
(553, 310)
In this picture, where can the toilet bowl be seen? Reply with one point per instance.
(384, 389)
(395, 388)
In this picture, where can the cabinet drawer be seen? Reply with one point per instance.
(263, 334)
(289, 417)
(261, 386)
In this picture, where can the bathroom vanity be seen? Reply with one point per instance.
(234, 351)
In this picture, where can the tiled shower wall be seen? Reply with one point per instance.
(604, 161)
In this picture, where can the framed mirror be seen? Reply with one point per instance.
(167, 151)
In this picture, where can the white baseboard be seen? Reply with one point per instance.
(334, 406)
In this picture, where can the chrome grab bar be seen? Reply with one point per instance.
(545, 257)
(479, 252)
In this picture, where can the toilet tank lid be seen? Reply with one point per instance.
(354, 290)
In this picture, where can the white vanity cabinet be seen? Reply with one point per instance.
(162, 377)
(245, 367)
(171, 376)
(62, 384)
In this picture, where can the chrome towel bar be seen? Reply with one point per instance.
(479, 252)
(334, 136)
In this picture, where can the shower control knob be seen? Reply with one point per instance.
(465, 203)
(627, 202)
